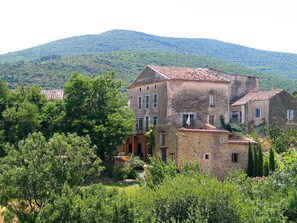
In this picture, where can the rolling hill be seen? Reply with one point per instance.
(53, 73)
(280, 64)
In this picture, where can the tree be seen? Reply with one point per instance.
(53, 118)
(250, 162)
(256, 160)
(39, 169)
(266, 168)
(95, 107)
(271, 160)
(260, 160)
(22, 114)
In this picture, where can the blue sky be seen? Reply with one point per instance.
(261, 24)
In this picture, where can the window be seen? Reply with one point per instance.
(155, 121)
(234, 158)
(211, 100)
(236, 116)
(162, 138)
(139, 102)
(211, 119)
(139, 124)
(147, 87)
(140, 89)
(187, 119)
(147, 123)
(164, 155)
(206, 156)
(155, 100)
(147, 101)
(290, 114)
(258, 112)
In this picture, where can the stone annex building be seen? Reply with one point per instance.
(185, 104)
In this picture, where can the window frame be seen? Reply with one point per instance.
(139, 124)
(258, 115)
(147, 101)
(162, 139)
(211, 117)
(235, 157)
(211, 100)
(147, 123)
(290, 114)
(192, 120)
(155, 100)
(155, 120)
(139, 102)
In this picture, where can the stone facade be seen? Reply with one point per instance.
(179, 102)
(240, 84)
(269, 106)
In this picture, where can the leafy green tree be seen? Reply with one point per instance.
(250, 162)
(38, 169)
(95, 107)
(20, 120)
(271, 160)
(53, 118)
(22, 114)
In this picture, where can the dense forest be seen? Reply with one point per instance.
(53, 71)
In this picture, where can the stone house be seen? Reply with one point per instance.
(184, 106)
(273, 106)
(240, 84)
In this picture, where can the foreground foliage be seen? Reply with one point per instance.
(38, 170)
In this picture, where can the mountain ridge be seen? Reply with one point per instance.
(270, 62)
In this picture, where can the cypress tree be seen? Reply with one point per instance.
(271, 160)
(255, 172)
(250, 171)
(260, 160)
(266, 168)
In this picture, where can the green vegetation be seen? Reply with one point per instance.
(127, 53)
(35, 171)
(279, 64)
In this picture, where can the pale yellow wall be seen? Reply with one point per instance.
(250, 115)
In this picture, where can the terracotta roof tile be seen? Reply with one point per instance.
(53, 94)
(257, 96)
(191, 74)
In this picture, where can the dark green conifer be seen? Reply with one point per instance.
(266, 168)
(256, 160)
(271, 160)
(260, 160)
(250, 171)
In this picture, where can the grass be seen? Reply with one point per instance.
(128, 188)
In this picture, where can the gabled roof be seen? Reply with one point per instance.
(257, 96)
(52, 95)
(178, 73)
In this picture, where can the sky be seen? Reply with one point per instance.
(261, 24)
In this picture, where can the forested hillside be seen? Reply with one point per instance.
(280, 64)
(53, 73)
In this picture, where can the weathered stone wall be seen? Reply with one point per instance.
(150, 89)
(240, 84)
(191, 96)
(278, 109)
(194, 144)
(171, 140)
